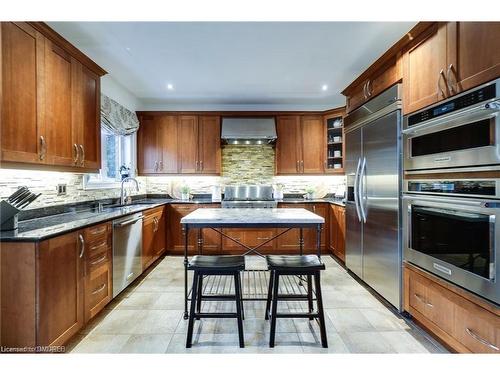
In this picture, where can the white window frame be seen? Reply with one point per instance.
(94, 181)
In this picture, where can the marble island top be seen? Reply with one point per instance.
(251, 216)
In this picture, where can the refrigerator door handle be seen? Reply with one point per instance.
(362, 189)
(356, 191)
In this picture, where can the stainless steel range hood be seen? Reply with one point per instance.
(248, 131)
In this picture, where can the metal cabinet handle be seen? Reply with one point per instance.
(302, 166)
(421, 299)
(364, 91)
(130, 275)
(368, 91)
(98, 260)
(77, 154)
(98, 246)
(201, 165)
(448, 79)
(298, 166)
(128, 222)
(441, 75)
(156, 166)
(82, 157)
(476, 337)
(100, 289)
(43, 148)
(160, 165)
(155, 226)
(82, 245)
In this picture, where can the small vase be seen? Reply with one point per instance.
(185, 196)
(309, 195)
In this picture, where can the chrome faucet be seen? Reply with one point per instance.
(122, 193)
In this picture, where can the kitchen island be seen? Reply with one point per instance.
(218, 218)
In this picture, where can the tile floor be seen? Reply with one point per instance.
(147, 318)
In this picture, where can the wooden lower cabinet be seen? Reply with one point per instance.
(336, 229)
(462, 321)
(250, 237)
(153, 236)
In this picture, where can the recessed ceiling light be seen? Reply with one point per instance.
(324, 87)
(127, 48)
(170, 86)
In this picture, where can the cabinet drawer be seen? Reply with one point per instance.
(97, 233)
(98, 259)
(153, 212)
(431, 301)
(476, 328)
(98, 290)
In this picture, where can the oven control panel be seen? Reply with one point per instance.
(476, 188)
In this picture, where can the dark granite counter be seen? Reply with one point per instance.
(41, 224)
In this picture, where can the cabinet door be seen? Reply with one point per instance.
(313, 145)
(59, 86)
(473, 54)
(341, 233)
(147, 146)
(209, 144)
(289, 243)
(175, 237)
(60, 295)
(333, 229)
(148, 240)
(167, 144)
(22, 65)
(188, 144)
(310, 235)
(212, 241)
(356, 97)
(288, 145)
(160, 234)
(424, 70)
(88, 119)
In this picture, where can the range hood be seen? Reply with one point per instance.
(248, 131)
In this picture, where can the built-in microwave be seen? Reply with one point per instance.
(451, 229)
(463, 131)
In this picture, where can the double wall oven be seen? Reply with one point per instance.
(451, 214)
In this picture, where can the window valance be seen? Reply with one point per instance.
(116, 118)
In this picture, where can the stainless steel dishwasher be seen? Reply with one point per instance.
(127, 251)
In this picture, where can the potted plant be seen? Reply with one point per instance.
(309, 192)
(278, 191)
(185, 192)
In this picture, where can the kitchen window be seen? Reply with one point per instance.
(117, 158)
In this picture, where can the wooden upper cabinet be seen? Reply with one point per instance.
(209, 150)
(148, 153)
(60, 296)
(424, 69)
(50, 100)
(22, 65)
(59, 85)
(88, 118)
(288, 145)
(313, 145)
(167, 144)
(188, 144)
(473, 54)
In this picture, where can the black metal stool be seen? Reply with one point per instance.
(204, 265)
(295, 265)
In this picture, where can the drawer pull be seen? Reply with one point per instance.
(476, 337)
(98, 246)
(98, 260)
(100, 289)
(421, 299)
(98, 231)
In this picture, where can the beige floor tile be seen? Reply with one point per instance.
(101, 343)
(349, 320)
(311, 343)
(158, 322)
(120, 322)
(403, 342)
(366, 342)
(384, 320)
(146, 344)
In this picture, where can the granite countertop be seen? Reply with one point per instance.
(53, 221)
(242, 216)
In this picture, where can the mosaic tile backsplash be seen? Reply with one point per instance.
(240, 165)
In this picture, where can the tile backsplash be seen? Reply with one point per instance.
(240, 165)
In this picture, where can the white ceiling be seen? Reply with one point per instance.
(234, 65)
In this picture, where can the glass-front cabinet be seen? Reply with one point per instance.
(335, 149)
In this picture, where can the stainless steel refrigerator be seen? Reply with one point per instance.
(373, 207)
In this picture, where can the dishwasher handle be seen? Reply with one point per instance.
(128, 222)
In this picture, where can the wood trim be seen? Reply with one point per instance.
(49, 33)
(390, 53)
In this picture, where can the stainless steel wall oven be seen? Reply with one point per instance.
(452, 229)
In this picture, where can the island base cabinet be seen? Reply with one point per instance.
(462, 321)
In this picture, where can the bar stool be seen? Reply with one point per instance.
(295, 265)
(205, 265)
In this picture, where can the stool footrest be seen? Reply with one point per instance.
(231, 297)
(298, 315)
(215, 315)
